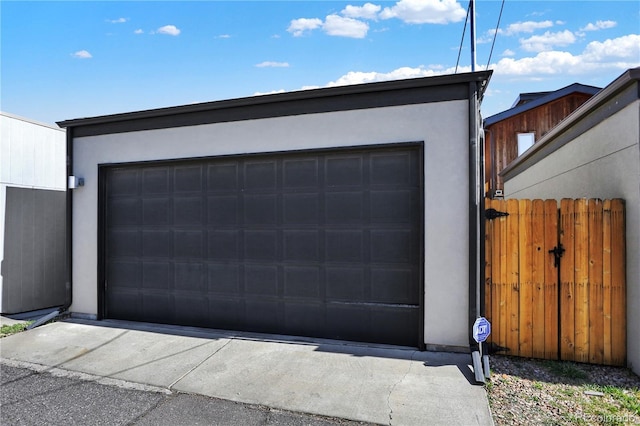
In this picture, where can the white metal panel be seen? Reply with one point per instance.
(32, 154)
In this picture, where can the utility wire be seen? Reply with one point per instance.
(495, 34)
(462, 41)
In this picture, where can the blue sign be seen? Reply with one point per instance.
(481, 329)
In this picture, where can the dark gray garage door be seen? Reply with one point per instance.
(322, 244)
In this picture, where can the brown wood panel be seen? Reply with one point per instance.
(618, 284)
(504, 289)
(538, 257)
(575, 312)
(513, 278)
(596, 319)
(488, 286)
(525, 275)
(551, 296)
(581, 279)
(567, 285)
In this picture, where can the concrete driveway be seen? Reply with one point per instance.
(384, 385)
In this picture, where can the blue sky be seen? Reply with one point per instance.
(64, 60)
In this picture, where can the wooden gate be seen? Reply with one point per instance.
(555, 279)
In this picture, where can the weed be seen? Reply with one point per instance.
(7, 330)
(565, 369)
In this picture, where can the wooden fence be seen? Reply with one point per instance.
(555, 279)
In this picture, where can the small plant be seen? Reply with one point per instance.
(7, 330)
(565, 369)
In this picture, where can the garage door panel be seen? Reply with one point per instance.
(394, 286)
(223, 177)
(262, 315)
(156, 211)
(260, 209)
(261, 280)
(156, 180)
(188, 244)
(345, 284)
(188, 179)
(345, 246)
(223, 279)
(126, 212)
(191, 310)
(260, 175)
(223, 210)
(189, 276)
(302, 282)
(224, 245)
(127, 274)
(301, 209)
(260, 245)
(156, 243)
(323, 244)
(124, 243)
(156, 275)
(301, 245)
(300, 173)
(187, 211)
(304, 318)
(344, 171)
(393, 246)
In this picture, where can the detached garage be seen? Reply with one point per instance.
(342, 213)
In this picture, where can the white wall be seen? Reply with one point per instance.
(442, 126)
(32, 155)
(602, 163)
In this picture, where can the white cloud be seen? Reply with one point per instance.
(273, 92)
(118, 21)
(336, 25)
(271, 64)
(508, 52)
(223, 36)
(368, 11)
(616, 54)
(599, 25)
(425, 11)
(169, 30)
(299, 27)
(82, 54)
(626, 47)
(547, 41)
(524, 27)
(138, 31)
(358, 77)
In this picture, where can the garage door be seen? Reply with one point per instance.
(321, 244)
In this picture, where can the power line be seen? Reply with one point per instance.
(462, 41)
(495, 34)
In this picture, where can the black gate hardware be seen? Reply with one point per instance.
(557, 254)
(493, 213)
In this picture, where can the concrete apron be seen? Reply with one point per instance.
(384, 385)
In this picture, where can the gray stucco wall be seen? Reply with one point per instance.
(442, 126)
(604, 162)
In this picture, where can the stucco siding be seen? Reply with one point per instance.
(602, 163)
(438, 125)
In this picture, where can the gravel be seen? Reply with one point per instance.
(525, 391)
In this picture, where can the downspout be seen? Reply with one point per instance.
(475, 225)
(68, 200)
(69, 248)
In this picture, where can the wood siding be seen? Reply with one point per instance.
(504, 133)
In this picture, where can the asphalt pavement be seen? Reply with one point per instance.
(113, 372)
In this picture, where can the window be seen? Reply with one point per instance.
(525, 141)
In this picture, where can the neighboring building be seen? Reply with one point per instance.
(511, 132)
(344, 213)
(32, 215)
(594, 153)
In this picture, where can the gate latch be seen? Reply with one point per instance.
(557, 254)
(493, 213)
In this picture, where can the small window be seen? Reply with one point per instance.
(525, 141)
